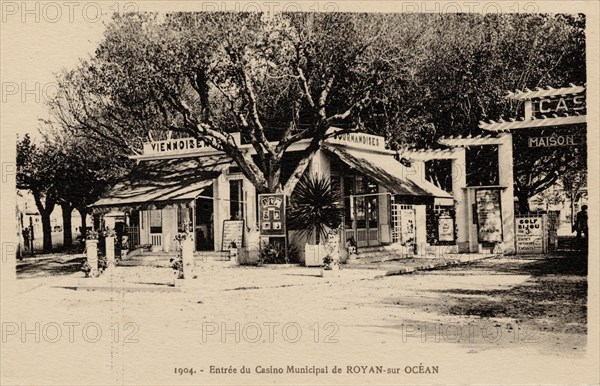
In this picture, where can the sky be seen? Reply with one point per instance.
(39, 39)
(35, 45)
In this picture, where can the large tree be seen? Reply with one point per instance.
(84, 171)
(474, 60)
(36, 172)
(287, 78)
(276, 80)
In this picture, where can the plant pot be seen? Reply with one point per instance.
(314, 254)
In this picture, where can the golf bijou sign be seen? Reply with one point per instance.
(529, 235)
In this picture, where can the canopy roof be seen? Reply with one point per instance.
(512, 124)
(163, 182)
(543, 93)
(386, 171)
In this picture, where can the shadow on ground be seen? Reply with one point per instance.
(49, 266)
(554, 297)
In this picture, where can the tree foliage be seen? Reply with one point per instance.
(37, 173)
(288, 78)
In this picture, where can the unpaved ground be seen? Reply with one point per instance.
(496, 310)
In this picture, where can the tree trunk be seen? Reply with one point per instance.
(45, 212)
(83, 214)
(523, 198)
(67, 227)
(47, 230)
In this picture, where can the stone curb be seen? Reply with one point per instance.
(126, 289)
(430, 267)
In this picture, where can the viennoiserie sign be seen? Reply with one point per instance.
(180, 145)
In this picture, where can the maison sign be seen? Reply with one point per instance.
(555, 140)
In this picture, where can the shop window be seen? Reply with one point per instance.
(155, 221)
(363, 208)
(236, 199)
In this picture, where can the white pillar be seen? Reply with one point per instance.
(91, 254)
(187, 256)
(421, 228)
(320, 166)
(109, 242)
(220, 208)
(459, 183)
(505, 167)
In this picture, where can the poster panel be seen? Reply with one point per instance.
(489, 215)
(271, 214)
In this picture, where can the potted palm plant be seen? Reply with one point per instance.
(315, 210)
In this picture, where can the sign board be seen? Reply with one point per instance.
(489, 215)
(233, 234)
(556, 140)
(529, 234)
(271, 214)
(362, 140)
(445, 228)
(180, 146)
(569, 104)
(407, 226)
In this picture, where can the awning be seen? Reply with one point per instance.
(158, 183)
(388, 172)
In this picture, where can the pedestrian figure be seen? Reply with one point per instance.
(581, 227)
(26, 238)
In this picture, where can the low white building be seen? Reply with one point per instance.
(181, 182)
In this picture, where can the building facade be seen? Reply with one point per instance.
(181, 183)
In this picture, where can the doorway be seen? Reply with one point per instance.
(361, 218)
(203, 229)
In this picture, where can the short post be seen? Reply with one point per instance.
(91, 254)
(110, 251)
(187, 256)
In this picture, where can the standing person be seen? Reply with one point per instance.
(581, 227)
(25, 233)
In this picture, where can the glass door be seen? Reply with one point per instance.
(362, 210)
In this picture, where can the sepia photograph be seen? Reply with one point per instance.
(299, 193)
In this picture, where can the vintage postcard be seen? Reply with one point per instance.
(299, 192)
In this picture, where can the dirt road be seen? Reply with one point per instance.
(496, 309)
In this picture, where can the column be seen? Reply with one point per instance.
(459, 183)
(421, 229)
(505, 169)
(220, 208)
(320, 166)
